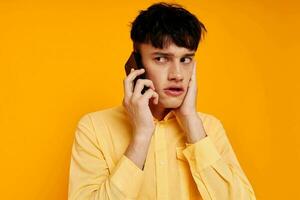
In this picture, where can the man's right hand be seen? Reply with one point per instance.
(140, 116)
(137, 104)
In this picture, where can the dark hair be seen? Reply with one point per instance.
(163, 23)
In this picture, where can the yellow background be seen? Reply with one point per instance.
(60, 60)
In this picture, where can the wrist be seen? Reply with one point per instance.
(194, 129)
(189, 121)
(141, 137)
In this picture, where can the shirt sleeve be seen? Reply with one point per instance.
(215, 168)
(89, 176)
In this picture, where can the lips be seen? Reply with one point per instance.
(174, 90)
(175, 87)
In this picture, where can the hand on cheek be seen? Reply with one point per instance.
(188, 106)
(187, 115)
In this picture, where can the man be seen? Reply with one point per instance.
(156, 145)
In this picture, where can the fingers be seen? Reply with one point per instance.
(134, 73)
(140, 84)
(151, 94)
(136, 92)
(193, 77)
(128, 81)
(193, 80)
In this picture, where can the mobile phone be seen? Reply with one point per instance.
(135, 61)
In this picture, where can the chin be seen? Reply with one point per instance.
(171, 103)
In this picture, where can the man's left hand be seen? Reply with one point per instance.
(187, 115)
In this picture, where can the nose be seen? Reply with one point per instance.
(175, 73)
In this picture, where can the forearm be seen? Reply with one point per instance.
(137, 149)
(90, 175)
(221, 180)
(215, 168)
(193, 128)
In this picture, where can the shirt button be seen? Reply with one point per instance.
(162, 162)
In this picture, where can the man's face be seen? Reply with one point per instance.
(168, 67)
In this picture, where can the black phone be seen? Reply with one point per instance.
(135, 61)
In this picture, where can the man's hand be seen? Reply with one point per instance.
(187, 115)
(140, 116)
(137, 104)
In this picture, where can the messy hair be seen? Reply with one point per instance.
(165, 23)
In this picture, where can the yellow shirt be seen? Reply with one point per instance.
(174, 169)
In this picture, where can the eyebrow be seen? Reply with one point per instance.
(170, 54)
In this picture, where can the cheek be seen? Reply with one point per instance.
(156, 77)
(156, 80)
(188, 75)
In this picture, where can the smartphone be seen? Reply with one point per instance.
(135, 61)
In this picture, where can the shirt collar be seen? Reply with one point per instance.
(169, 116)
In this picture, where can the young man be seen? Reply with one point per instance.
(156, 145)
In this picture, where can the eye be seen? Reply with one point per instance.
(161, 59)
(186, 60)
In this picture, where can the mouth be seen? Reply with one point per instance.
(174, 91)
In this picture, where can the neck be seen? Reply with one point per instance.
(158, 111)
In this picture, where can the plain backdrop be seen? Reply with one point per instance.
(62, 59)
